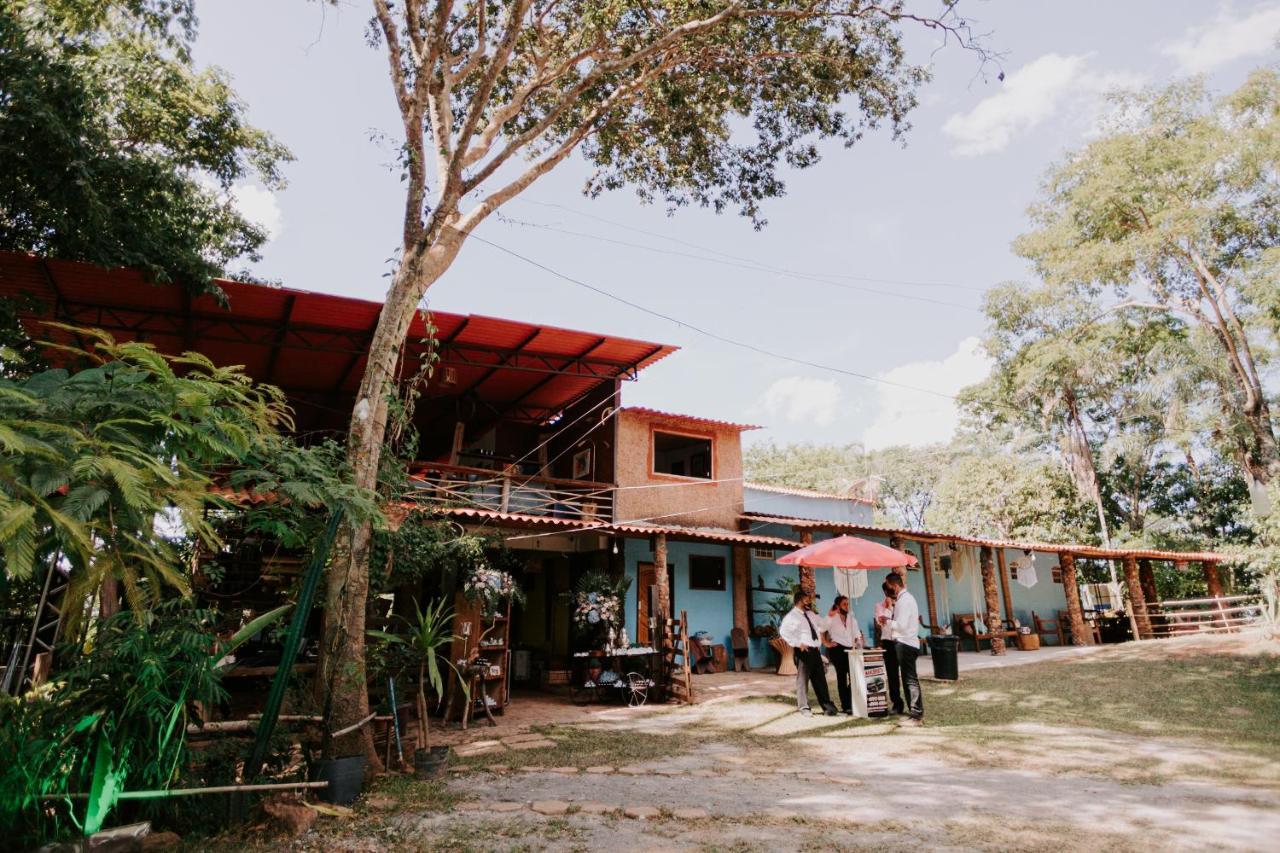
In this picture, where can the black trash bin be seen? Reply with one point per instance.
(944, 650)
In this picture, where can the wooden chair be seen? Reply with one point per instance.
(1051, 628)
(965, 627)
(1092, 631)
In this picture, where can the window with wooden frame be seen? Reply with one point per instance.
(1057, 574)
(762, 553)
(680, 455)
(706, 572)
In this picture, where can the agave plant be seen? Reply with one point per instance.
(429, 634)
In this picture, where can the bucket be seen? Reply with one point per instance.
(428, 763)
(345, 777)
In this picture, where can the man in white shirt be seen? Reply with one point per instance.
(802, 631)
(841, 635)
(904, 629)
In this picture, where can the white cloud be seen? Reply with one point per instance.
(909, 417)
(1033, 94)
(260, 207)
(800, 399)
(251, 201)
(1225, 39)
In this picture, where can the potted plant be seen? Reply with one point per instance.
(429, 635)
(491, 589)
(779, 606)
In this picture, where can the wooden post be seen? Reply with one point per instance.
(661, 581)
(1072, 589)
(109, 598)
(742, 588)
(992, 617)
(927, 569)
(1137, 601)
(807, 582)
(1004, 585)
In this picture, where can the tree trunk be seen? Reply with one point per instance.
(926, 567)
(1137, 601)
(424, 741)
(342, 674)
(1071, 587)
(807, 581)
(992, 617)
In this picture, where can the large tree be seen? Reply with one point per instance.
(689, 101)
(116, 149)
(1176, 208)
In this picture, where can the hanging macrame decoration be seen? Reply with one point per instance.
(1026, 571)
(851, 582)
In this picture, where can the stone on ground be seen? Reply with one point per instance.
(600, 768)
(641, 812)
(551, 807)
(597, 808)
(689, 814)
(288, 814)
(531, 744)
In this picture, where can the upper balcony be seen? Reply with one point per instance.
(507, 490)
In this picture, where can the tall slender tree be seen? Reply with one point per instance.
(688, 101)
(1176, 207)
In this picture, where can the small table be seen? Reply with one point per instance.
(633, 686)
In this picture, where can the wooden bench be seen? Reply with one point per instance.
(1050, 628)
(964, 625)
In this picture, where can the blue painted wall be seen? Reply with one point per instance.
(708, 610)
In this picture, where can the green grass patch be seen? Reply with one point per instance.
(1220, 700)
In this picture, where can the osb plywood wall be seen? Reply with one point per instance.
(677, 500)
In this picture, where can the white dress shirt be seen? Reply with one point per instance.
(905, 625)
(800, 627)
(843, 632)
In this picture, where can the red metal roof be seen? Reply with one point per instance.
(934, 536)
(314, 345)
(689, 420)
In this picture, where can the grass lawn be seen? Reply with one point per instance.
(1206, 699)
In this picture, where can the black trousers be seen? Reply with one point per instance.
(910, 681)
(891, 672)
(839, 657)
(809, 665)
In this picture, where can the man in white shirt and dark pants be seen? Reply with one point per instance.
(842, 635)
(802, 631)
(904, 628)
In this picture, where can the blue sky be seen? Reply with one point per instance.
(876, 257)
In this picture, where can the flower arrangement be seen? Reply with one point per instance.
(598, 604)
(491, 588)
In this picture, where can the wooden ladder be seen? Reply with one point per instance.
(675, 659)
(20, 674)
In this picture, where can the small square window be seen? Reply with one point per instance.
(1057, 574)
(706, 572)
(762, 553)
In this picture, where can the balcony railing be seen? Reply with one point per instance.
(511, 491)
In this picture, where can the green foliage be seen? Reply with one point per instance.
(115, 719)
(428, 638)
(1175, 210)
(110, 464)
(427, 547)
(1009, 496)
(293, 488)
(116, 147)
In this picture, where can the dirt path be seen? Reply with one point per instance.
(745, 772)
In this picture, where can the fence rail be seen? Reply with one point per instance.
(1226, 614)
(511, 491)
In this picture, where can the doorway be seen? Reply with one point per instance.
(647, 598)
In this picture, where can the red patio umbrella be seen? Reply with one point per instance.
(848, 552)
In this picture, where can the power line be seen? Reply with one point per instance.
(660, 236)
(755, 348)
(750, 265)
